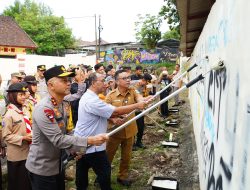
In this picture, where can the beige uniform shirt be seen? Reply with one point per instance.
(14, 128)
(42, 89)
(117, 99)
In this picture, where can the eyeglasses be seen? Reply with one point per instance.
(126, 78)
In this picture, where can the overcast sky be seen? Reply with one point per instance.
(117, 16)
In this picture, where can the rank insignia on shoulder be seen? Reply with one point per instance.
(50, 114)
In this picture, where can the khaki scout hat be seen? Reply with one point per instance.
(18, 75)
(57, 71)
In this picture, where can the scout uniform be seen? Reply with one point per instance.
(50, 121)
(125, 137)
(14, 128)
(31, 101)
(42, 90)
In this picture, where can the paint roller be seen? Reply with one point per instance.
(165, 88)
(220, 65)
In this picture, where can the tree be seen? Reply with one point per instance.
(172, 34)
(169, 13)
(49, 32)
(148, 30)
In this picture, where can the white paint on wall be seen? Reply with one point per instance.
(221, 102)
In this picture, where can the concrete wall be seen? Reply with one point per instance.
(221, 102)
(28, 63)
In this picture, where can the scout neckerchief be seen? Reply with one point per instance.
(26, 120)
(33, 100)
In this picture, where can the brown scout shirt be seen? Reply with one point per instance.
(117, 99)
(14, 128)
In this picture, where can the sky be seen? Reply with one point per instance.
(117, 16)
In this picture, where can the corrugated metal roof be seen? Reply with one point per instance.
(193, 15)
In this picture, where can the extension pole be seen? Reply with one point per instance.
(219, 66)
(165, 88)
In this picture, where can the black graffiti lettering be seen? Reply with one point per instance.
(226, 169)
(219, 185)
(210, 104)
(211, 179)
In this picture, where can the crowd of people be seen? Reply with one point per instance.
(59, 113)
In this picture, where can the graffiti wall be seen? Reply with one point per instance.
(221, 102)
(142, 56)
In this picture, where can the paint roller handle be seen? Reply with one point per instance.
(200, 77)
(195, 65)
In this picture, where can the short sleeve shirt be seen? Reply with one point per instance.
(92, 118)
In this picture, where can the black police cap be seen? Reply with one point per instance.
(41, 67)
(57, 71)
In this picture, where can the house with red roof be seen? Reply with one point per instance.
(13, 39)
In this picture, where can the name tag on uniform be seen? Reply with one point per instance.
(116, 100)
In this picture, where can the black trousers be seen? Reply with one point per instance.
(164, 106)
(18, 176)
(140, 126)
(98, 161)
(39, 182)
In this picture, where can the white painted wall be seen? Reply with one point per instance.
(221, 103)
(29, 63)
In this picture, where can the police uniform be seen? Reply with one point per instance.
(49, 139)
(42, 90)
(125, 137)
(14, 128)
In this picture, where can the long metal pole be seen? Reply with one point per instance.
(95, 40)
(165, 88)
(99, 55)
(218, 66)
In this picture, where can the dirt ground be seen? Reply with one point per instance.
(179, 163)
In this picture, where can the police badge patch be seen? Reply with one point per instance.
(50, 114)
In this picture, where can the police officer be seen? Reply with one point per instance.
(17, 137)
(41, 85)
(49, 140)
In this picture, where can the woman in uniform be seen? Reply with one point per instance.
(17, 135)
(33, 97)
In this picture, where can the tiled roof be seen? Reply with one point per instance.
(11, 34)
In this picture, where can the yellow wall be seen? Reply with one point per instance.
(11, 50)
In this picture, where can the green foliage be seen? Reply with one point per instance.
(172, 34)
(169, 13)
(148, 30)
(49, 32)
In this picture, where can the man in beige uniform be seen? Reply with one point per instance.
(121, 96)
(42, 90)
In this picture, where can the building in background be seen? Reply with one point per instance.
(13, 39)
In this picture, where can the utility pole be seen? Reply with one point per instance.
(95, 41)
(100, 29)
